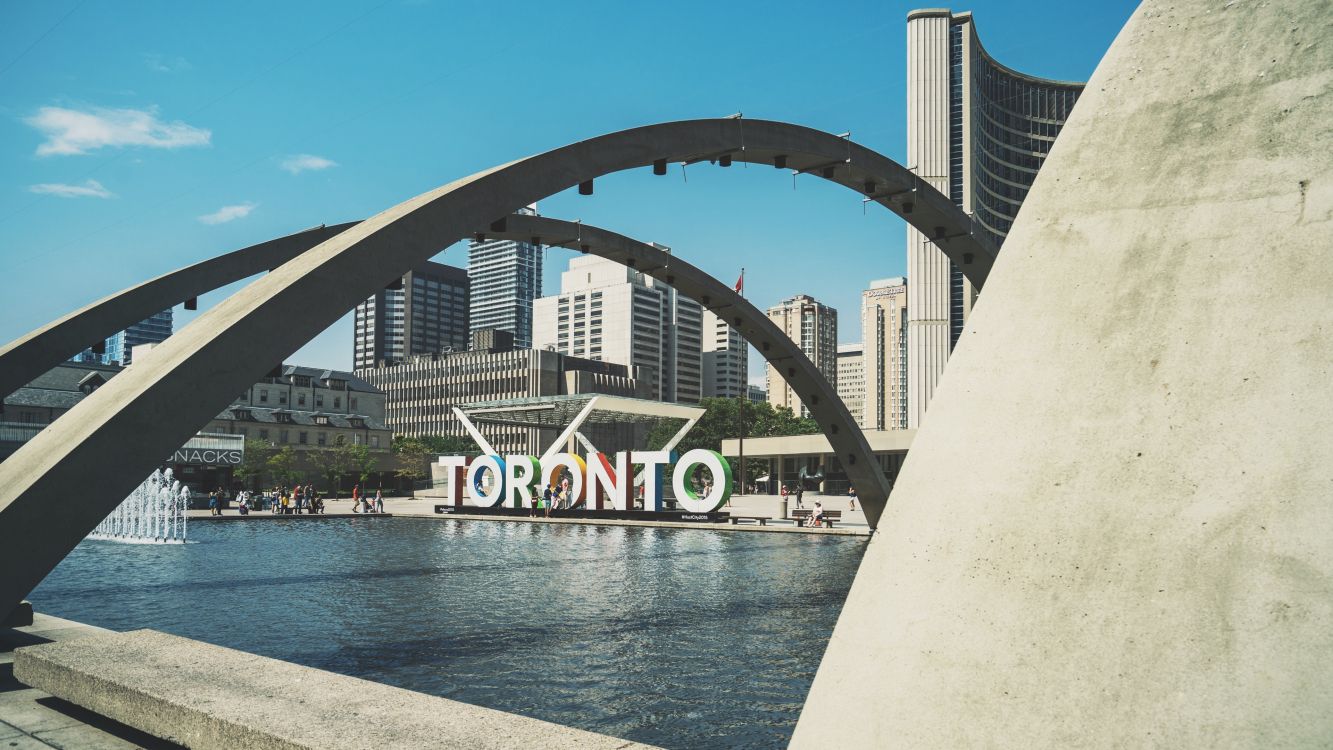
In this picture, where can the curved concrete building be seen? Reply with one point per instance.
(978, 132)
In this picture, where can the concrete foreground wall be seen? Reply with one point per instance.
(205, 696)
(1115, 527)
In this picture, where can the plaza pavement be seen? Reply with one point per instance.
(853, 523)
(33, 720)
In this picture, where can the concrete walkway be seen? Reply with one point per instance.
(853, 523)
(31, 719)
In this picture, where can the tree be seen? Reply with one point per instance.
(413, 459)
(254, 464)
(282, 465)
(722, 420)
(441, 445)
(363, 461)
(332, 463)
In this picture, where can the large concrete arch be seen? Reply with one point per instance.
(94, 455)
(27, 357)
(34, 353)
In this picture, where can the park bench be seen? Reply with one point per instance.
(803, 516)
(763, 520)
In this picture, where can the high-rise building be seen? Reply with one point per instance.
(723, 358)
(506, 278)
(852, 380)
(606, 311)
(756, 394)
(884, 328)
(977, 132)
(119, 347)
(427, 312)
(814, 326)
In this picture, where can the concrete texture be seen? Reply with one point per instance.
(1113, 528)
(28, 356)
(90, 458)
(190, 692)
(31, 718)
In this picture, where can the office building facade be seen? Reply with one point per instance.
(977, 132)
(814, 326)
(308, 408)
(852, 380)
(422, 391)
(724, 352)
(608, 312)
(884, 328)
(506, 278)
(426, 312)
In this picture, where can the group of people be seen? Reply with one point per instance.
(295, 500)
(361, 501)
(555, 496)
(800, 492)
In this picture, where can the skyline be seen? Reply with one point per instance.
(129, 159)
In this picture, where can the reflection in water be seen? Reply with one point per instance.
(676, 638)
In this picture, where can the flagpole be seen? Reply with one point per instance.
(745, 389)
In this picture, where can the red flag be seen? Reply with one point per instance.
(740, 283)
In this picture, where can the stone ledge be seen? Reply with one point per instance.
(206, 696)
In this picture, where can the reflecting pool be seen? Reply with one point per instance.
(677, 638)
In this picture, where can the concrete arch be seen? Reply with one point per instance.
(91, 458)
(46, 347)
(820, 397)
(30, 355)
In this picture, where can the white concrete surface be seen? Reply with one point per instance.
(1113, 529)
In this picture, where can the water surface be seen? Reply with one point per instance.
(678, 638)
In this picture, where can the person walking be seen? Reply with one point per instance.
(851, 495)
(379, 500)
(800, 492)
(356, 498)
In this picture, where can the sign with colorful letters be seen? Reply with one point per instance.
(602, 482)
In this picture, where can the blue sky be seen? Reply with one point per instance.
(139, 137)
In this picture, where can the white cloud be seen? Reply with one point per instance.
(229, 213)
(299, 163)
(70, 131)
(89, 189)
(163, 64)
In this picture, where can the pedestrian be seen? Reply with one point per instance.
(851, 495)
(379, 500)
(212, 503)
(800, 492)
(356, 498)
(548, 497)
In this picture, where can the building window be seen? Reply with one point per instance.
(322, 438)
(356, 438)
(282, 397)
(319, 399)
(300, 399)
(303, 438)
(263, 434)
(337, 402)
(283, 436)
(283, 416)
(351, 403)
(321, 419)
(374, 441)
(263, 395)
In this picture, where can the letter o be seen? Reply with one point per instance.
(721, 471)
(578, 471)
(474, 473)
